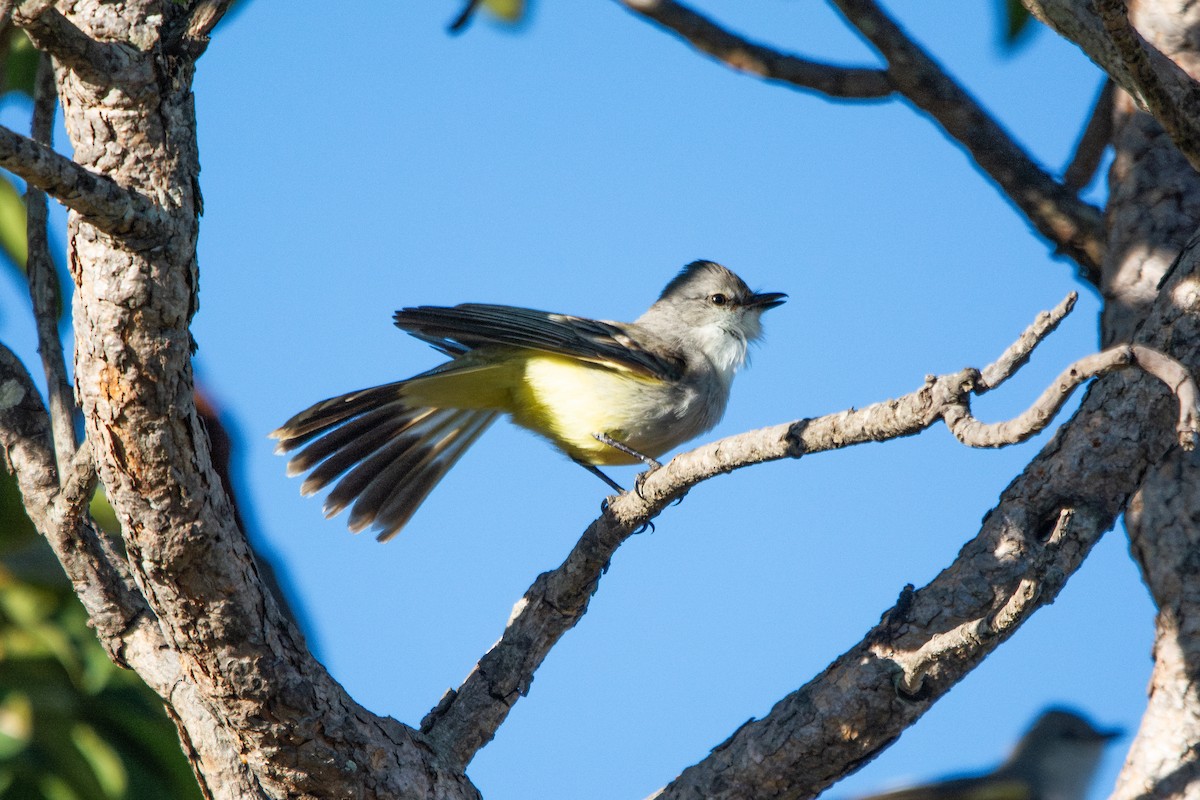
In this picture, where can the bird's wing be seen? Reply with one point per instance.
(458, 329)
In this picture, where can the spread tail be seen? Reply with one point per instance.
(385, 455)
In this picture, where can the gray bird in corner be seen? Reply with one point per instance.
(1056, 759)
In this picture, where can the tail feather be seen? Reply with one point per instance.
(399, 463)
(410, 438)
(398, 508)
(328, 413)
(341, 456)
(385, 455)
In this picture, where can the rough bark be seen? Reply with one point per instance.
(258, 716)
(1154, 207)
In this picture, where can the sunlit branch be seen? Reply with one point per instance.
(1174, 110)
(467, 718)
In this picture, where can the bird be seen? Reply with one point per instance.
(604, 393)
(1056, 759)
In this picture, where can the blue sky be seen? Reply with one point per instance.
(360, 161)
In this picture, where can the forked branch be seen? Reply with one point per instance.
(467, 718)
(1072, 225)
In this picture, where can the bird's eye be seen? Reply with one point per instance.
(718, 299)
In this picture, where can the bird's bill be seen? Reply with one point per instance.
(765, 300)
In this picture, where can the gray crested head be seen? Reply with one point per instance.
(705, 292)
(708, 307)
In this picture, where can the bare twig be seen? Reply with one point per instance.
(101, 63)
(466, 719)
(99, 199)
(1057, 213)
(43, 282)
(1034, 419)
(1096, 137)
(1018, 353)
(1177, 120)
(755, 59)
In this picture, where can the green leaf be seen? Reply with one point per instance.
(73, 725)
(16, 724)
(105, 761)
(12, 225)
(507, 10)
(20, 67)
(1018, 24)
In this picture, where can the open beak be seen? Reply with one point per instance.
(765, 300)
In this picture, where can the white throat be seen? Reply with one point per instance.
(724, 349)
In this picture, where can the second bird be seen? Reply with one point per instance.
(604, 393)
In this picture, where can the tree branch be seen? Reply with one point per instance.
(190, 35)
(100, 576)
(1017, 354)
(1073, 226)
(100, 63)
(43, 282)
(755, 59)
(466, 719)
(1097, 135)
(1045, 524)
(118, 612)
(1152, 84)
(1055, 211)
(1155, 81)
(99, 199)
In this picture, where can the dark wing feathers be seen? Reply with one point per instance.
(457, 329)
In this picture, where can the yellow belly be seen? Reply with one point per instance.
(563, 399)
(568, 401)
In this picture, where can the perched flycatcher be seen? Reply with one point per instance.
(602, 392)
(1056, 759)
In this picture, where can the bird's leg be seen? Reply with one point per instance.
(637, 487)
(592, 468)
(604, 438)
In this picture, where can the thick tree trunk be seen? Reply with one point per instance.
(1153, 210)
(257, 715)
